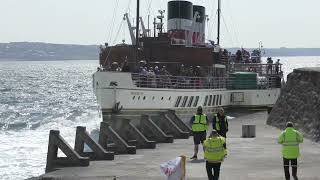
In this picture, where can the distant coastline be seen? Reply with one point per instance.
(37, 51)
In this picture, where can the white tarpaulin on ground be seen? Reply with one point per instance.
(174, 169)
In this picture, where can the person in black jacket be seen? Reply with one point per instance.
(220, 123)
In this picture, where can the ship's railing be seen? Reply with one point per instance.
(182, 82)
(261, 69)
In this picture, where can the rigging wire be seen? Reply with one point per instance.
(128, 7)
(211, 17)
(233, 25)
(148, 16)
(113, 19)
(149, 6)
(224, 22)
(213, 26)
(119, 29)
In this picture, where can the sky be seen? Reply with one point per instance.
(277, 23)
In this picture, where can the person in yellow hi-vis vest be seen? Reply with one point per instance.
(214, 154)
(220, 123)
(199, 125)
(290, 140)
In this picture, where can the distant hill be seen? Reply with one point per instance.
(47, 51)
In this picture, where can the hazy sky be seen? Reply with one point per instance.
(278, 23)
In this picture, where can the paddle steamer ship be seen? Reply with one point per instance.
(177, 69)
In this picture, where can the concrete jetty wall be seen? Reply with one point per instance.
(118, 135)
(299, 102)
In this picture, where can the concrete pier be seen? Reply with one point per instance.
(152, 131)
(120, 146)
(98, 153)
(248, 159)
(72, 157)
(130, 132)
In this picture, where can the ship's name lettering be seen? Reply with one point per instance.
(137, 93)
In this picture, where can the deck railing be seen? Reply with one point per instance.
(181, 82)
(261, 69)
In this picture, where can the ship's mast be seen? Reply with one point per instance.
(137, 29)
(219, 12)
(131, 29)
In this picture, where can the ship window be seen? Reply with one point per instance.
(214, 101)
(178, 101)
(133, 97)
(161, 98)
(195, 104)
(217, 102)
(205, 101)
(184, 102)
(210, 100)
(220, 100)
(170, 98)
(139, 98)
(144, 98)
(153, 98)
(190, 101)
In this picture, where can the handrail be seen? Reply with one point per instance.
(151, 80)
(262, 69)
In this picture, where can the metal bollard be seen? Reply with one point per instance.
(248, 131)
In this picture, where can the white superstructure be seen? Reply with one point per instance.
(118, 90)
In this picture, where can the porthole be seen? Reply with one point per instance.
(144, 98)
(153, 98)
(170, 98)
(133, 97)
(257, 95)
(269, 95)
(162, 98)
(139, 98)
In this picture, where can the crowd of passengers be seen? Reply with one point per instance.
(186, 77)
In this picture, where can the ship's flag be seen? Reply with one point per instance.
(174, 169)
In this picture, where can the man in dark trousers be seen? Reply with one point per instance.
(290, 140)
(214, 154)
(199, 124)
(220, 123)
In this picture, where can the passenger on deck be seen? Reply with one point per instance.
(151, 78)
(238, 56)
(277, 66)
(156, 70)
(114, 66)
(165, 81)
(181, 77)
(125, 66)
(270, 63)
(182, 70)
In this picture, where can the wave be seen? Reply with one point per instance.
(5, 90)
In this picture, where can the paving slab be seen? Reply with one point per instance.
(249, 159)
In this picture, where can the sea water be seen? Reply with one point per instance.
(36, 97)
